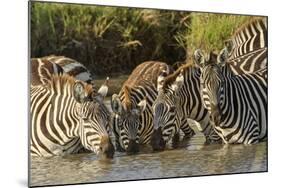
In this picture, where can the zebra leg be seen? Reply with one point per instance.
(176, 140)
(187, 130)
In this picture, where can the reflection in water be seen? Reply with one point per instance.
(193, 158)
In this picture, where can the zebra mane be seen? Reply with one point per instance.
(127, 97)
(248, 24)
(59, 83)
(169, 80)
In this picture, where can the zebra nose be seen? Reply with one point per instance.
(133, 147)
(157, 142)
(106, 147)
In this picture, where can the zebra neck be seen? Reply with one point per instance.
(76, 121)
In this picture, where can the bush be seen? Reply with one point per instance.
(107, 40)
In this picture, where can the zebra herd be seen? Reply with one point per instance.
(226, 93)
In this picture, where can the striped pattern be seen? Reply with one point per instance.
(187, 102)
(248, 38)
(67, 115)
(132, 122)
(237, 103)
(72, 67)
(250, 62)
(42, 71)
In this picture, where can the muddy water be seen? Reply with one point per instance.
(193, 158)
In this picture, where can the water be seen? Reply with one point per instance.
(191, 159)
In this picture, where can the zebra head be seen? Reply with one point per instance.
(166, 111)
(127, 122)
(211, 79)
(94, 120)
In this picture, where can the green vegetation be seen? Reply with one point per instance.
(112, 40)
(209, 31)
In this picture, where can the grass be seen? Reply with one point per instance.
(111, 40)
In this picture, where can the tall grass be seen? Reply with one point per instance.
(209, 31)
(111, 40)
(106, 39)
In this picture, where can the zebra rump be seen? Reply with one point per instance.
(42, 71)
(72, 67)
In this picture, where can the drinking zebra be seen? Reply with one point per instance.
(72, 67)
(132, 119)
(179, 100)
(248, 54)
(249, 37)
(236, 103)
(42, 70)
(67, 115)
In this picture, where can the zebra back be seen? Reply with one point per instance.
(249, 37)
(42, 71)
(250, 62)
(72, 67)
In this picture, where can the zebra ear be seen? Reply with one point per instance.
(78, 91)
(178, 83)
(229, 45)
(222, 57)
(160, 80)
(141, 106)
(199, 58)
(116, 104)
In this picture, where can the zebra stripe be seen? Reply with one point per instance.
(181, 90)
(132, 119)
(249, 37)
(236, 103)
(250, 62)
(72, 67)
(67, 115)
(42, 71)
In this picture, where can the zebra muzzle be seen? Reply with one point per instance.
(106, 148)
(133, 147)
(157, 141)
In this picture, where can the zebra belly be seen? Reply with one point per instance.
(71, 147)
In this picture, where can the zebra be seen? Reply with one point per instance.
(249, 37)
(132, 113)
(42, 71)
(248, 63)
(67, 115)
(177, 101)
(72, 68)
(237, 104)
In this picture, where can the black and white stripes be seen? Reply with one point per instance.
(236, 103)
(67, 115)
(250, 37)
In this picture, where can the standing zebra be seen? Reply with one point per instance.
(249, 37)
(42, 71)
(67, 115)
(179, 100)
(132, 119)
(72, 67)
(236, 103)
